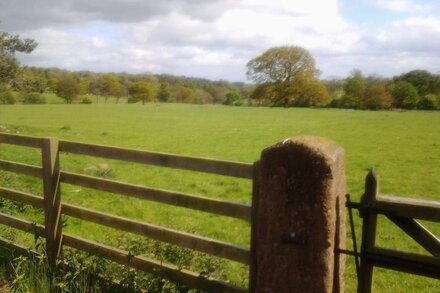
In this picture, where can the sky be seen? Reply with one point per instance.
(214, 39)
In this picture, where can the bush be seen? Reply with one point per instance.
(32, 98)
(86, 100)
(428, 102)
(7, 97)
(239, 102)
(232, 97)
(132, 100)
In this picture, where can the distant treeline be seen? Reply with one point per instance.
(417, 89)
(83, 86)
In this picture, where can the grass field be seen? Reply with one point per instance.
(403, 146)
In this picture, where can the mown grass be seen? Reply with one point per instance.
(403, 146)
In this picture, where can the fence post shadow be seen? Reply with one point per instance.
(52, 198)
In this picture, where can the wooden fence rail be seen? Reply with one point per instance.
(227, 168)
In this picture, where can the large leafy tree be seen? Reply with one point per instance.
(286, 76)
(281, 64)
(67, 88)
(9, 45)
(141, 91)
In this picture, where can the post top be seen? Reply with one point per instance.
(321, 145)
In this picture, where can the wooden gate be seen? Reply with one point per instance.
(403, 212)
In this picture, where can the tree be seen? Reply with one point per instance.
(309, 92)
(281, 65)
(110, 86)
(52, 84)
(354, 89)
(424, 81)
(96, 87)
(185, 94)
(376, 97)
(141, 91)
(233, 98)
(9, 44)
(304, 92)
(32, 98)
(67, 88)
(28, 81)
(405, 94)
(203, 97)
(163, 94)
(84, 86)
(335, 87)
(264, 94)
(428, 102)
(7, 97)
(286, 76)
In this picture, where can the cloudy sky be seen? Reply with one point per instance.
(216, 38)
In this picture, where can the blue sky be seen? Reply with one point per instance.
(379, 13)
(216, 38)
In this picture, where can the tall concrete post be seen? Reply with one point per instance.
(298, 218)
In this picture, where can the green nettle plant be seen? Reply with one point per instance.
(74, 273)
(80, 272)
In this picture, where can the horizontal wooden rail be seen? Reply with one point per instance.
(409, 207)
(183, 239)
(216, 206)
(6, 243)
(427, 266)
(187, 240)
(403, 207)
(28, 141)
(119, 256)
(22, 225)
(203, 244)
(21, 168)
(169, 271)
(22, 197)
(226, 168)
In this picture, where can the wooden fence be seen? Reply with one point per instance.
(403, 212)
(292, 177)
(54, 208)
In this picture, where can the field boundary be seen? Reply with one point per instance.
(54, 208)
(287, 182)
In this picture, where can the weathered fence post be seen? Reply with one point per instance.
(299, 218)
(369, 225)
(52, 198)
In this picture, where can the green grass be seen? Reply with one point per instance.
(403, 146)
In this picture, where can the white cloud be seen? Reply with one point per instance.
(399, 46)
(215, 39)
(402, 5)
(245, 30)
(416, 34)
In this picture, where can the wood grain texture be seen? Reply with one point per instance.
(187, 240)
(227, 168)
